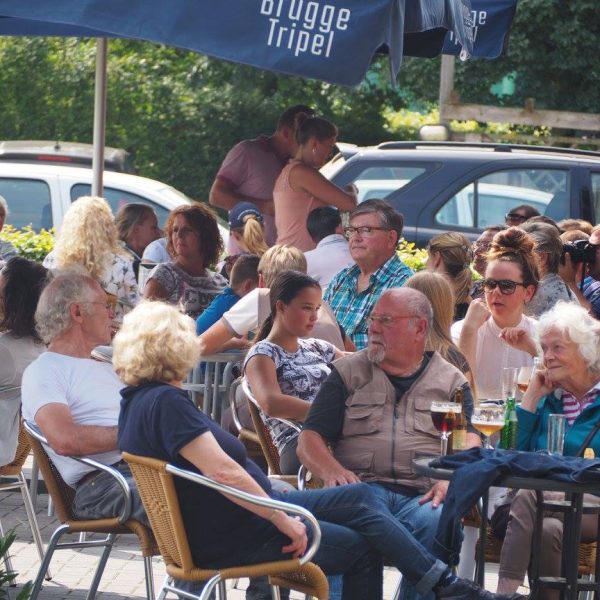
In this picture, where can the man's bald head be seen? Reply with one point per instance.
(410, 300)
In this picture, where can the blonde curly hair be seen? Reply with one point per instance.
(155, 343)
(88, 236)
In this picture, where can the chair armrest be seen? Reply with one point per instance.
(33, 430)
(258, 501)
(250, 396)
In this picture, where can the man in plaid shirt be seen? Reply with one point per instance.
(374, 231)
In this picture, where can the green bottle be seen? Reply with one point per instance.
(508, 437)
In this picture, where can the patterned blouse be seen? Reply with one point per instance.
(299, 374)
(550, 290)
(117, 279)
(194, 293)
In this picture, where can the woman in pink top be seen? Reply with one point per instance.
(300, 187)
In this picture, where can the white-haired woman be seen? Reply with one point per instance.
(569, 384)
(88, 238)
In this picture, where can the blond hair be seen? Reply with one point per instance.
(88, 236)
(253, 235)
(155, 343)
(280, 258)
(439, 292)
(456, 253)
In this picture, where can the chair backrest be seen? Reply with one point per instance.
(13, 468)
(264, 435)
(159, 496)
(62, 494)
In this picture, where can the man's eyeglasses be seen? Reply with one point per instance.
(507, 286)
(387, 320)
(515, 217)
(108, 305)
(363, 231)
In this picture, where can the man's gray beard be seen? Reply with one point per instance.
(375, 353)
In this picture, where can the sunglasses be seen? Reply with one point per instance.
(507, 286)
(515, 217)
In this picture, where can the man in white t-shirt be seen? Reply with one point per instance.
(73, 399)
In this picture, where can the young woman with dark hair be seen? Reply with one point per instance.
(285, 371)
(21, 283)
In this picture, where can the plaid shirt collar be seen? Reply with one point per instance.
(350, 307)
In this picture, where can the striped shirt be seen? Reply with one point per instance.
(572, 407)
(351, 308)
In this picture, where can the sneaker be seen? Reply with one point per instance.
(463, 589)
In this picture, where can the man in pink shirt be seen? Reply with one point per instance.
(251, 168)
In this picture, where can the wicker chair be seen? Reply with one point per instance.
(155, 482)
(247, 436)
(269, 449)
(14, 470)
(62, 496)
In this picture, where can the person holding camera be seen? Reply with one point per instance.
(580, 268)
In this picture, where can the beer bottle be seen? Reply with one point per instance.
(459, 435)
(508, 437)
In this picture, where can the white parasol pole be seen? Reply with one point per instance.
(99, 117)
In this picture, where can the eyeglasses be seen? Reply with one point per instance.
(507, 286)
(363, 230)
(108, 305)
(515, 217)
(387, 320)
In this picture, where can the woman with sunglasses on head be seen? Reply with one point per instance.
(495, 333)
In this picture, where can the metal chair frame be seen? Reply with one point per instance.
(168, 525)
(14, 470)
(70, 524)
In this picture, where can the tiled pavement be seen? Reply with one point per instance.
(124, 575)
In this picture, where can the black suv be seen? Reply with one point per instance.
(467, 187)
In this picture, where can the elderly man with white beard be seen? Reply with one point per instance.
(374, 412)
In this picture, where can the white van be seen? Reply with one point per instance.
(39, 194)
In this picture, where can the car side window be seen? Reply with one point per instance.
(487, 200)
(28, 202)
(380, 181)
(596, 196)
(117, 198)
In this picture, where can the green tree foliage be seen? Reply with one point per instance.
(177, 112)
(552, 49)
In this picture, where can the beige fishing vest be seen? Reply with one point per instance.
(381, 436)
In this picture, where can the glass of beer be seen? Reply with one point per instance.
(488, 419)
(523, 378)
(443, 415)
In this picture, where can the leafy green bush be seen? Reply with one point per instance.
(7, 578)
(29, 243)
(411, 256)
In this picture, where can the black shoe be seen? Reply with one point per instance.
(463, 589)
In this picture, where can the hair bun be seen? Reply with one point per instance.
(514, 239)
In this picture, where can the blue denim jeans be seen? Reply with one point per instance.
(420, 520)
(366, 509)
